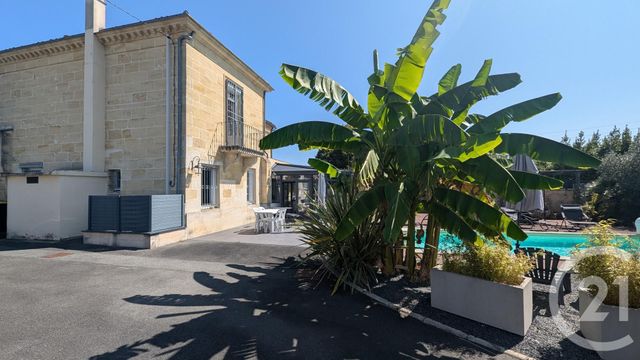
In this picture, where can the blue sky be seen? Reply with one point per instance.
(587, 50)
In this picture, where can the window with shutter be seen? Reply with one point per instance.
(210, 184)
(251, 186)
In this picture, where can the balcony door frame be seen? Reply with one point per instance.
(234, 113)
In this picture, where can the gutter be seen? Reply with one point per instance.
(180, 118)
(168, 114)
(181, 85)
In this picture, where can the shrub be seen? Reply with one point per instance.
(608, 264)
(353, 259)
(493, 262)
(615, 194)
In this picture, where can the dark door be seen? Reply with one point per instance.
(290, 195)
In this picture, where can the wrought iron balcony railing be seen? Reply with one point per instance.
(236, 136)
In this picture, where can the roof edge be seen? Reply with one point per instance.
(229, 55)
(166, 26)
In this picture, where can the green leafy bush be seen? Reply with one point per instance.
(491, 262)
(616, 194)
(609, 265)
(352, 259)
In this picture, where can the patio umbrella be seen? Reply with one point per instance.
(534, 199)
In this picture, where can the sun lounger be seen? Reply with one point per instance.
(574, 216)
(526, 219)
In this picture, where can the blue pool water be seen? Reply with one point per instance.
(561, 244)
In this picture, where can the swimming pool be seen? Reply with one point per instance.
(560, 243)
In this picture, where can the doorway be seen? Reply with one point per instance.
(290, 195)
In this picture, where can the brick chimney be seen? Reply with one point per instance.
(93, 155)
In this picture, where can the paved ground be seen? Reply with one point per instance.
(213, 297)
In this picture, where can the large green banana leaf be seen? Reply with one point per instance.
(327, 92)
(464, 96)
(518, 112)
(475, 146)
(487, 173)
(409, 159)
(429, 128)
(452, 222)
(473, 209)
(364, 206)
(528, 180)
(450, 79)
(369, 168)
(311, 132)
(483, 74)
(377, 91)
(406, 76)
(470, 98)
(399, 197)
(352, 146)
(324, 167)
(539, 148)
(474, 119)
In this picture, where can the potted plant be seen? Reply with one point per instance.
(609, 301)
(485, 282)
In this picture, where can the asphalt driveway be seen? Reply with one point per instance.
(206, 298)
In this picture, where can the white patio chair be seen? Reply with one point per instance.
(260, 225)
(280, 220)
(268, 221)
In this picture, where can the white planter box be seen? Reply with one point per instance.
(611, 328)
(505, 307)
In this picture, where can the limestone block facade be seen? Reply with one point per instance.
(41, 97)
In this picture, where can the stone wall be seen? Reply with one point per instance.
(205, 114)
(135, 114)
(41, 95)
(553, 199)
(42, 98)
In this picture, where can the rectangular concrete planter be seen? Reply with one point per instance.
(611, 329)
(505, 307)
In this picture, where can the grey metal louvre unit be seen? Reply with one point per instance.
(166, 212)
(138, 213)
(104, 213)
(135, 214)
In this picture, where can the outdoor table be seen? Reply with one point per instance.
(270, 215)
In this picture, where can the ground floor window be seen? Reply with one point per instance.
(251, 186)
(210, 184)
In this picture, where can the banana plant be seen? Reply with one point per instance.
(413, 150)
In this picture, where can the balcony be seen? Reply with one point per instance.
(238, 137)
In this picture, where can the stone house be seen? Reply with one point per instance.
(151, 108)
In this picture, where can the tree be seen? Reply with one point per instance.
(340, 159)
(626, 140)
(579, 142)
(611, 143)
(565, 139)
(636, 141)
(593, 145)
(410, 149)
(615, 194)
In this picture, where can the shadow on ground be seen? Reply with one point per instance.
(282, 312)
